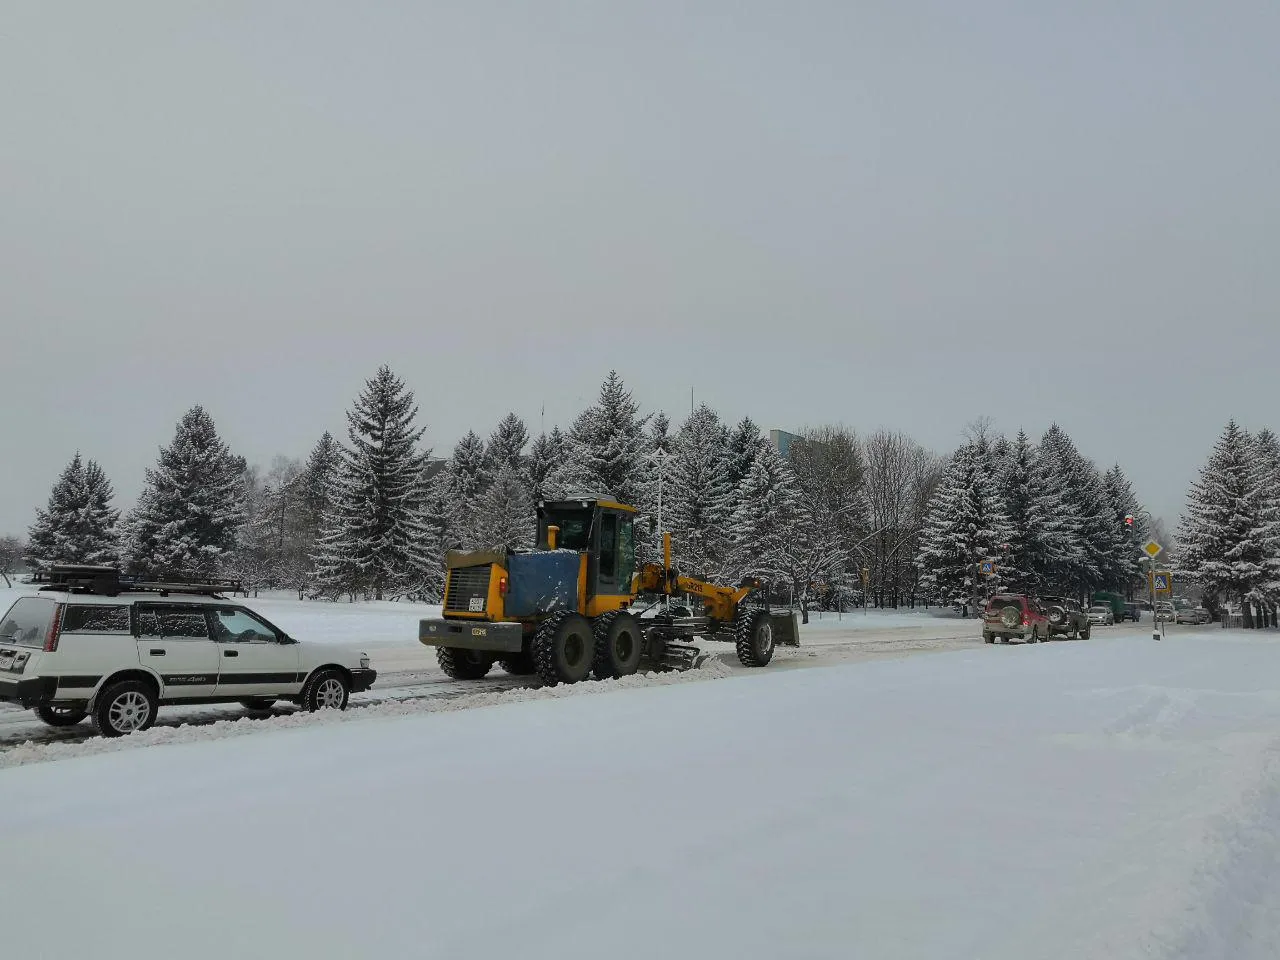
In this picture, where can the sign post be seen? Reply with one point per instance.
(866, 579)
(1153, 550)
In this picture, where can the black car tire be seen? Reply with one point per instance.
(57, 716)
(124, 708)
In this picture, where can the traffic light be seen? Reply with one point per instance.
(1128, 520)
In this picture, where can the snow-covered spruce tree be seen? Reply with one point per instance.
(745, 443)
(1029, 504)
(1126, 564)
(697, 498)
(607, 451)
(1267, 447)
(660, 433)
(312, 491)
(1087, 549)
(765, 520)
(506, 511)
(965, 525)
(374, 536)
(506, 445)
(191, 507)
(545, 455)
(1222, 533)
(79, 523)
(435, 506)
(467, 477)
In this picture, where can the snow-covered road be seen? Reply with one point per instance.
(1117, 798)
(407, 670)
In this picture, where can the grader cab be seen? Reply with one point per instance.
(577, 604)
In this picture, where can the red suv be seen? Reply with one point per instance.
(1012, 615)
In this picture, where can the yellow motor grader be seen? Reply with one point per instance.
(577, 605)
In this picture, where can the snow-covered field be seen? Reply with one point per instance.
(1116, 798)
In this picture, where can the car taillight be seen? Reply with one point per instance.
(502, 586)
(55, 629)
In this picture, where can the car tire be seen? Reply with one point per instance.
(619, 645)
(753, 637)
(564, 648)
(463, 664)
(124, 708)
(327, 689)
(988, 638)
(56, 716)
(258, 704)
(1088, 632)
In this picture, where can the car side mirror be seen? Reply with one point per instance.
(285, 638)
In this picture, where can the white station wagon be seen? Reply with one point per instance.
(88, 642)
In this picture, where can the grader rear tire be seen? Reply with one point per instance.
(618, 645)
(563, 648)
(463, 664)
(753, 636)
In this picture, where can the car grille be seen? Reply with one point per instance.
(467, 584)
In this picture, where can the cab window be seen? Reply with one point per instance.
(626, 553)
(608, 546)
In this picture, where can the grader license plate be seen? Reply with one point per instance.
(476, 605)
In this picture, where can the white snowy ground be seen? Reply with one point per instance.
(1113, 798)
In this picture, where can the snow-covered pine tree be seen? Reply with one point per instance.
(1079, 563)
(965, 525)
(192, 506)
(1221, 535)
(506, 511)
(764, 523)
(79, 523)
(374, 538)
(607, 451)
(545, 455)
(660, 433)
(1028, 561)
(745, 443)
(313, 493)
(697, 498)
(506, 445)
(1267, 446)
(467, 478)
(1127, 566)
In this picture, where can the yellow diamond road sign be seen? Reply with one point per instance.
(1152, 549)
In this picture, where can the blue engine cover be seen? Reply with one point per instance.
(541, 582)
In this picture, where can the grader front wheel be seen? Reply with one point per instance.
(563, 649)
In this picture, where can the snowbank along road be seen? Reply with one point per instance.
(1115, 798)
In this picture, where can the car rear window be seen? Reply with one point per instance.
(86, 618)
(27, 622)
(1003, 602)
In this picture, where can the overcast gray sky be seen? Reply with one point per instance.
(892, 214)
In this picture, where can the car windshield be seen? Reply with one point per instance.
(1099, 609)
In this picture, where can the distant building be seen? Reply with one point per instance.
(782, 441)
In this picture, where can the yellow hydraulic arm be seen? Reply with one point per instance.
(721, 602)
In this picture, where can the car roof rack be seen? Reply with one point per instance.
(110, 582)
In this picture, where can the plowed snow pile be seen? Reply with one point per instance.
(1116, 798)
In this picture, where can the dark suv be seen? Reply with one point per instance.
(1066, 618)
(1014, 616)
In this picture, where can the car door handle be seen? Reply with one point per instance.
(231, 653)
(157, 653)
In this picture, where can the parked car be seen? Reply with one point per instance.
(1193, 615)
(86, 642)
(1164, 612)
(1132, 611)
(1101, 614)
(1066, 618)
(1011, 616)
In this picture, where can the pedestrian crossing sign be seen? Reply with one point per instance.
(988, 567)
(1162, 583)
